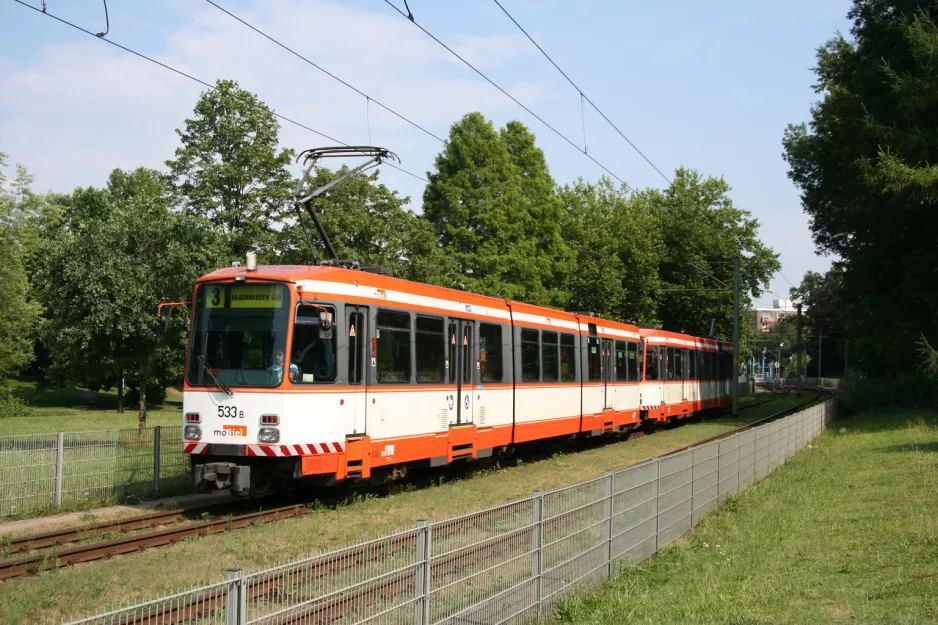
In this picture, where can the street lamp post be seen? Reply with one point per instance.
(778, 373)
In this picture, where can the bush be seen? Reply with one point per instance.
(903, 391)
(12, 406)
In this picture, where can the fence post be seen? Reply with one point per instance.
(233, 594)
(536, 544)
(156, 459)
(59, 466)
(607, 514)
(422, 574)
(657, 462)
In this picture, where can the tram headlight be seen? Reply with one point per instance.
(192, 433)
(268, 435)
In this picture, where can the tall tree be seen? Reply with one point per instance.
(554, 260)
(865, 166)
(19, 313)
(475, 200)
(825, 317)
(702, 232)
(117, 254)
(367, 222)
(230, 169)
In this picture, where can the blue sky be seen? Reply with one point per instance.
(708, 86)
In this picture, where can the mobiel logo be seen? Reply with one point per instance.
(232, 430)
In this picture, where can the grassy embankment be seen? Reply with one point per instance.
(846, 531)
(74, 410)
(88, 588)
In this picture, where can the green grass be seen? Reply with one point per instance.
(89, 588)
(846, 531)
(75, 410)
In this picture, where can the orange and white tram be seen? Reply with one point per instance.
(328, 373)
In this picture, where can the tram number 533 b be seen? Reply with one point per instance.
(230, 412)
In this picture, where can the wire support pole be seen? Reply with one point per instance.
(735, 371)
(506, 94)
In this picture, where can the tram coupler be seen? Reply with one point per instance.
(221, 476)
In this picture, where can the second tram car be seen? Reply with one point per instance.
(326, 373)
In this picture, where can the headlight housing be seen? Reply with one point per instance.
(192, 433)
(268, 435)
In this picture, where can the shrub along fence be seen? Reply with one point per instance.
(510, 563)
(40, 472)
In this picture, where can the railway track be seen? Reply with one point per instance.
(47, 556)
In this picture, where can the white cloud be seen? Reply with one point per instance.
(73, 111)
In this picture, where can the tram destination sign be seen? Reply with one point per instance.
(245, 296)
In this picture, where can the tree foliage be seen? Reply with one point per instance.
(866, 168)
(230, 169)
(702, 232)
(115, 255)
(618, 245)
(369, 223)
(19, 312)
(476, 200)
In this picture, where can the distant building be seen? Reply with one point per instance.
(764, 319)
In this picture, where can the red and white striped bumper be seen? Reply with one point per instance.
(195, 448)
(310, 449)
(657, 407)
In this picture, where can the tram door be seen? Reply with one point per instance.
(461, 370)
(609, 372)
(359, 357)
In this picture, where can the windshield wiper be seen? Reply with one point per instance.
(218, 382)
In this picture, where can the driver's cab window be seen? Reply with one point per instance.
(312, 357)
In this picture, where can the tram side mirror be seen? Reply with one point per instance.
(325, 325)
(165, 315)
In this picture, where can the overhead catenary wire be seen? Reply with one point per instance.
(324, 71)
(199, 80)
(504, 92)
(580, 91)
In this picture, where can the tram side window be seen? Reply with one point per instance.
(312, 356)
(632, 360)
(669, 359)
(622, 372)
(651, 363)
(679, 363)
(691, 364)
(550, 357)
(430, 347)
(393, 334)
(490, 353)
(567, 358)
(712, 366)
(530, 356)
(594, 360)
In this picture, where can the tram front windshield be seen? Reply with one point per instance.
(239, 335)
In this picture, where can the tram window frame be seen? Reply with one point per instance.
(632, 361)
(568, 349)
(679, 362)
(384, 331)
(550, 347)
(652, 356)
(422, 337)
(314, 324)
(669, 363)
(622, 372)
(594, 359)
(692, 364)
(491, 353)
(356, 375)
(530, 347)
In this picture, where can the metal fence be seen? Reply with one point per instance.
(44, 471)
(507, 564)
